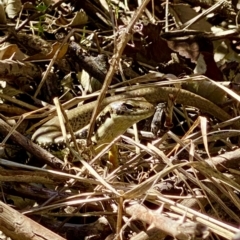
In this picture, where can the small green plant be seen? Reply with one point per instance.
(41, 7)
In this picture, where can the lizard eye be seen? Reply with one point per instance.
(127, 106)
(124, 109)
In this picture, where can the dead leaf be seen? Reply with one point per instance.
(3, 18)
(11, 52)
(80, 18)
(183, 13)
(12, 7)
(50, 55)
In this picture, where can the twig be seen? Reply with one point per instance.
(31, 147)
(18, 226)
(122, 42)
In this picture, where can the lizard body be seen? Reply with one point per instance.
(112, 121)
(80, 116)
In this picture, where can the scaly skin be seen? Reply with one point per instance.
(117, 117)
(113, 121)
(80, 116)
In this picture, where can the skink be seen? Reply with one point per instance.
(113, 121)
(80, 116)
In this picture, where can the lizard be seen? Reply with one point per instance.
(112, 121)
(79, 117)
